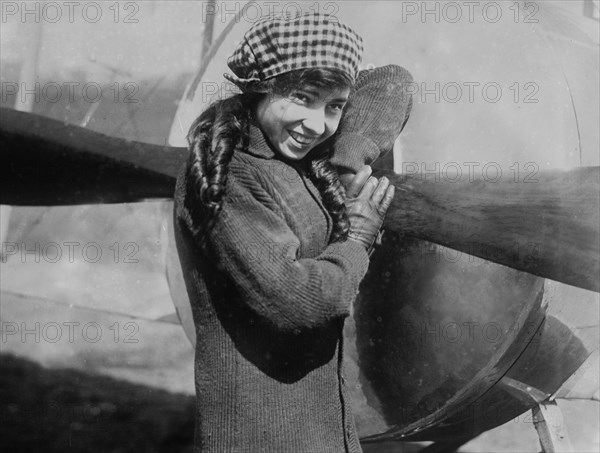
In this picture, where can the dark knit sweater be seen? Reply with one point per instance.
(269, 301)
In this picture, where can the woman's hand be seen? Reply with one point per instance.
(367, 201)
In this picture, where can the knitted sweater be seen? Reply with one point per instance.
(269, 301)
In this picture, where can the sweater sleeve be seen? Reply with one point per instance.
(256, 248)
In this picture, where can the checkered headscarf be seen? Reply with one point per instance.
(277, 45)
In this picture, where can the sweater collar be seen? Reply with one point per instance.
(259, 146)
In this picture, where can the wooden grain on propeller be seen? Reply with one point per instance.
(548, 227)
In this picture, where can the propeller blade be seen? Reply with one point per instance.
(548, 227)
(48, 162)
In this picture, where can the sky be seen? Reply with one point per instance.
(138, 39)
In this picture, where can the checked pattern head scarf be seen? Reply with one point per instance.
(276, 45)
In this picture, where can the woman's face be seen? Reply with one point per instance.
(299, 121)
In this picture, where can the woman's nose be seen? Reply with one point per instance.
(314, 122)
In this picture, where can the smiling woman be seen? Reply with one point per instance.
(271, 245)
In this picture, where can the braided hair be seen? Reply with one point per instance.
(223, 129)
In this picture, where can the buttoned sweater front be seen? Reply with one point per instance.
(269, 297)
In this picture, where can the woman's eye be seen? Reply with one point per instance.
(337, 108)
(299, 97)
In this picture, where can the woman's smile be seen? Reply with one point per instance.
(302, 140)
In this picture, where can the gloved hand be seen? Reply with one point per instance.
(367, 201)
(376, 112)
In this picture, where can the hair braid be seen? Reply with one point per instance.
(325, 177)
(213, 138)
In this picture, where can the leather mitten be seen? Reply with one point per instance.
(374, 116)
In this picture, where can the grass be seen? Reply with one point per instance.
(70, 411)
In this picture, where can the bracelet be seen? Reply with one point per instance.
(359, 238)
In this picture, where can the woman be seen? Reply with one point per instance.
(272, 248)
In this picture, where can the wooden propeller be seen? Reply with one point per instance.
(548, 227)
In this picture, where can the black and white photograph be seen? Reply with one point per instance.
(300, 226)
